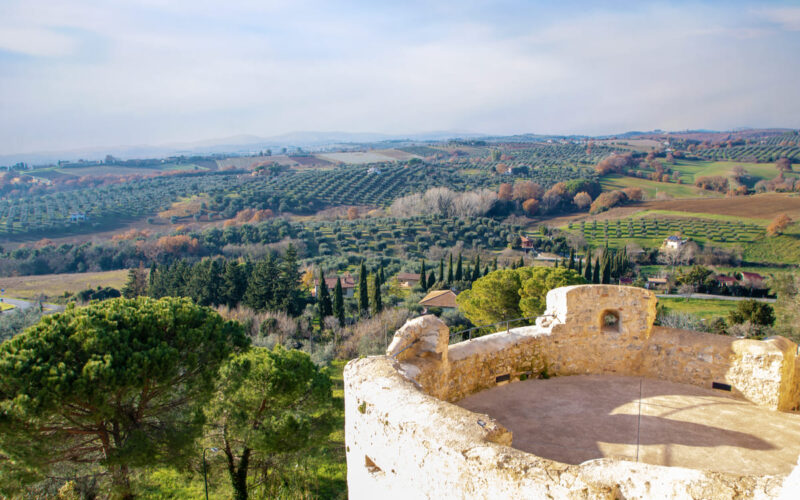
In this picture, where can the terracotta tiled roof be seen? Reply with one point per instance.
(440, 298)
(408, 277)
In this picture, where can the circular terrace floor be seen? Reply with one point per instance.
(579, 418)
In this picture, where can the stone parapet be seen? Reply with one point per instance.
(404, 438)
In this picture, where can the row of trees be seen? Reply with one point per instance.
(272, 283)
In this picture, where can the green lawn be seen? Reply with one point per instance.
(6, 307)
(652, 188)
(706, 309)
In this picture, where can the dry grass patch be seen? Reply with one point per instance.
(54, 285)
(760, 206)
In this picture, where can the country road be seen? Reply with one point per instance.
(25, 304)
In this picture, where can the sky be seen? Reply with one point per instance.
(124, 72)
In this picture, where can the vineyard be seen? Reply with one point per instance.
(651, 231)
(752, 153)
(98, 206)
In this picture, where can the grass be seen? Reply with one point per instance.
(6, 307)
(652, 188)
(691, 170)
(707, 309)
(783, 249)
(54, 285)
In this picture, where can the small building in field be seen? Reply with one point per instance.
(348, 286)
(527, 243)
(443, 299)
(726, 280)
(657, 284)
(753, 280)
(77, 216)
(674, 242)
(408, 280)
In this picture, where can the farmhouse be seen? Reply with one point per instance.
(444, 299)
(527, 243)
(657, 284)
(673, 242)
(726, 280)
(592, 401)
(752, 280)
(77, 216)
(408, 280)
(348, 285)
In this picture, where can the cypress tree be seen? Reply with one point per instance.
(494, 264)
(587, 271)
(261, 288)
(287, 296)
(571, 264)
(431, 281)
(596, 271)
(605, 271)
(486, 270)
(381, 275)
(323, 299)
(151, 278)
(338, 301)
(468, 273)
(235, 283)
(377, 305)
(476, 272)
(580, 265)
(450, 270)
(441, 270)
(423, 276)
(363, 293)
(521, 262)
(459, 268)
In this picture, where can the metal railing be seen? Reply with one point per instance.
(480, 331)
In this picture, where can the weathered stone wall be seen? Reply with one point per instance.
(572, 340)
(405, 444)
(405, 440)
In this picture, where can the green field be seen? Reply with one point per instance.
(691, 170)
(702, 308)
(6, 307)
(651, 230)
(652, 188)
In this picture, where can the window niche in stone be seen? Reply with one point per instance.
(609, 321)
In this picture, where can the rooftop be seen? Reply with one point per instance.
(584, 417)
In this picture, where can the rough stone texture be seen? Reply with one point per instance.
(404, 439)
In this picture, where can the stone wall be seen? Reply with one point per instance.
(571, 339)
(405, 439)
(405, 444)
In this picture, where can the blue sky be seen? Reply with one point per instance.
(102, 73)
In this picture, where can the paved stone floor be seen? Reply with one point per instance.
(578, 418)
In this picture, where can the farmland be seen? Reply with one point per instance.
(650, 230)
(706, 309)
(54, 285)
(653, 189)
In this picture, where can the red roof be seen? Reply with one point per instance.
(347, 282)
(752, 276)
(408, 277)
(728, 280)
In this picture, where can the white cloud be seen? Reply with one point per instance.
(153, 71)
(34, 41)
(786, 17)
